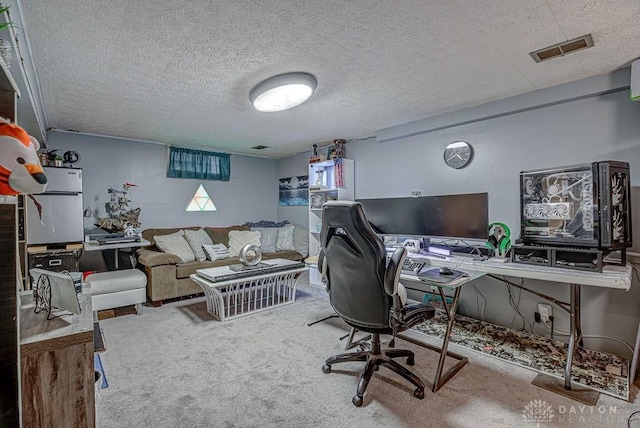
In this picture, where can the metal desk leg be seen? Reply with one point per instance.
(351, 343)
(333, 315)
(578, 316)
(438, 381)
(440, 378)
(578, 393)
(444, 303)
(572, 338)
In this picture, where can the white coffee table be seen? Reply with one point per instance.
(235, 297)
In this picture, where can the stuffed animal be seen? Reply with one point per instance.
(20, 168)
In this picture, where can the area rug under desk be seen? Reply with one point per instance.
(595, 369)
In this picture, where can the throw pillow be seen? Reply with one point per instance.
(175, 244)
(240, 238)
(267, 223)
(197, 238)
(268, 238)
(216, 251)
(301, 240)
(285, 238)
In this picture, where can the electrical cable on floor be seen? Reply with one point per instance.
(484, 303)
(536, 330)
(591, 336)
(511, 303)
(515, 305)
(632, 415)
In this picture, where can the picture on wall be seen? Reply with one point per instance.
(294, 191)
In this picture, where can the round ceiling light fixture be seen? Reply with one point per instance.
(283, 91)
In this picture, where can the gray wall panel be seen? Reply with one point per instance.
(250, 195)
(588, 129)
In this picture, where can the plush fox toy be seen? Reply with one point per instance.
(20, 168)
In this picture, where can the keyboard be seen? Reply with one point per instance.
(248, 273)
(412, 267)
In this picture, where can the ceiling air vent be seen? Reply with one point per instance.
(562, 49)
(260, 147)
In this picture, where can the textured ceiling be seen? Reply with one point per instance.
(180, 71)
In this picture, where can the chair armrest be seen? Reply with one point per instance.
(393, 271)
(156, 258)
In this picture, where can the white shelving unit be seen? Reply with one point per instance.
(322, 188)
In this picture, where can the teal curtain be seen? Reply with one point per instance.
(200, 164)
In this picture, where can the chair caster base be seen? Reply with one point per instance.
(326, 369)
(357, 400)
(419, 393)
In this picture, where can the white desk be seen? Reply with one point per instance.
(615, 277)
(618, 277)
(95, 246)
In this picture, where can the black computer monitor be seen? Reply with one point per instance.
(447, 216)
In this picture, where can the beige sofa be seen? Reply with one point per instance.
(168, 277)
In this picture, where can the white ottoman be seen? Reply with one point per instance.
(118, 288)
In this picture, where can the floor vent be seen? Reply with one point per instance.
(562, 49)
(260, 147)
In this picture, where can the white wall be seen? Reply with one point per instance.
(250, 195)
(586, 121)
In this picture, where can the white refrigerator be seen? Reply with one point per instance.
(56, 216)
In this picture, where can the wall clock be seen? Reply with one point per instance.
(458, 154)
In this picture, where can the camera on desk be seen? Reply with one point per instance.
(412, 245)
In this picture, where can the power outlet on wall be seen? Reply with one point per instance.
(545, 312)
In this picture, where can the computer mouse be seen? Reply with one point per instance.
(445, 271)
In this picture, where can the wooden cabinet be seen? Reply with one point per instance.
(323, 187)
(54, 260)
(9, 387)
(9, 272)
(57, 373)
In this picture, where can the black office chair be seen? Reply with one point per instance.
(364, 291)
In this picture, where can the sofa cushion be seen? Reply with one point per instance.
(267, 223)
(268, 238)
(216, 252)
(239, 238)
(175, 243)
(149, 234)
(150, 258)
(220, 235)
(196, 239)
(285, 238)
(301, 240)
(184, 270)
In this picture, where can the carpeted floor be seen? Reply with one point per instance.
(177, 366)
